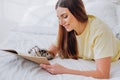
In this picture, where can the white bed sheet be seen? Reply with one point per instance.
(16, 68)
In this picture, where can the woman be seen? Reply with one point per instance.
(83, 36)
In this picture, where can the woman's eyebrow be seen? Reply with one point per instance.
(61, 14)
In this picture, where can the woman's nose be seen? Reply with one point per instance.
(61, 22)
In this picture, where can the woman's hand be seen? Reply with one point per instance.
(54, 69)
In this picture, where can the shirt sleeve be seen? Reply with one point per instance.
(103, 43)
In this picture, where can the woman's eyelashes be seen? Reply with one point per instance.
(65, 16)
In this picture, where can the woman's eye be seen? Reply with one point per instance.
(65, 16)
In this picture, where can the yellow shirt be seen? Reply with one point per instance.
(97, 41)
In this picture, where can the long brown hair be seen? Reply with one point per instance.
(67, 43)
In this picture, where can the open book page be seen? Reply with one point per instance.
(32, 58)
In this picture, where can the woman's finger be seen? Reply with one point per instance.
(45, 66)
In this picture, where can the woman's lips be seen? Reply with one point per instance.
(66, 26)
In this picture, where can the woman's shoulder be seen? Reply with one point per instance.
(93, 20)
(97, 25)
(96, 22)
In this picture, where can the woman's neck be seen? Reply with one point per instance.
(81, 28)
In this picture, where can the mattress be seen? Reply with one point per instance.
(13, 67)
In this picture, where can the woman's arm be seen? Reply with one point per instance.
(53, 49)
(102, 69)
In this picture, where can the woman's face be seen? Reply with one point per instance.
(66, 19)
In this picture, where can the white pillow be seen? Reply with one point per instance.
(106, 11)
(114, 1)
(39, 30)
(4, 31)
(118, 13)
(40, 20)
(51, 2)
(117, 28)
(39, 15)
(117, 31)
(88, 1)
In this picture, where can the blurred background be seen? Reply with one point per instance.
(37, 16)
(24, 13)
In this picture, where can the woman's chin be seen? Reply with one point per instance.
(68, 30)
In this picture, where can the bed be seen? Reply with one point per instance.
(32, 31)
